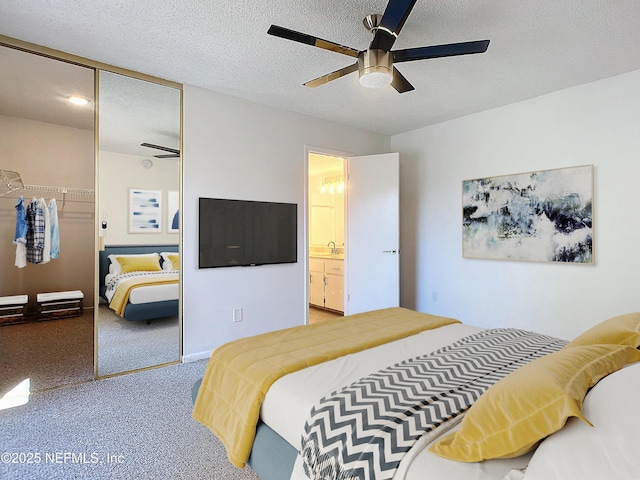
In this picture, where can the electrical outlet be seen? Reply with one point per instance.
(237, 315)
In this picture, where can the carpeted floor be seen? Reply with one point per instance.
(59, 352)
(125, 345)
(50, 353)
(135, 426)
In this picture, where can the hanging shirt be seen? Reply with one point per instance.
(21, 223)
(21, 255)
(54, 228)
(35, 232)
(20, 238)
(46, 250)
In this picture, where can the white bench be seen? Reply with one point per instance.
(60, 304)
(12, 309)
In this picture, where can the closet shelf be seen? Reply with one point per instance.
(12, 186)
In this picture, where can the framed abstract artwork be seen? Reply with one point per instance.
(537, 216)
(173, 211)
(145, 211)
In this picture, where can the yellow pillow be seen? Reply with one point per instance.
(175, 261)
(531, 403)
(620, 330)
(142, 263)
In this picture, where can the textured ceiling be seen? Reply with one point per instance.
(132, 111)
(536, 47)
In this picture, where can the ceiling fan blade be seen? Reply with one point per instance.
(400, 83)
(169, 155)
(160, 147)
(393, 19)
(287, 34)
(438, 51)
(316, 82)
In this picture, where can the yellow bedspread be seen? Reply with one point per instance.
(240, 373)
(121, 297)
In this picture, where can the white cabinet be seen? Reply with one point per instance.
(316, 282)
(326, 283)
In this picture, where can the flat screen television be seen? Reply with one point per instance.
(241, 233)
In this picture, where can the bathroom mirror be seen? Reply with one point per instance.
(138, 319)
(326, 200)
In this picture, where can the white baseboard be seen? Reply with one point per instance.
(194, 357)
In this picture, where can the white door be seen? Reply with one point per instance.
(372, 269)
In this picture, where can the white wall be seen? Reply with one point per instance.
(242, 150)
(597, 124)
(119, 173)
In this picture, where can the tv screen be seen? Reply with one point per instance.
(245, 233)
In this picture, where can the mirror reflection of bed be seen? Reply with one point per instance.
(138, 315)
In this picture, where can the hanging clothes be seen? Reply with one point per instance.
(46, 250)
(35, 232)
(54, 228)
(20, 238)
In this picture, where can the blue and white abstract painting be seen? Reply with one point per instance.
(145, 211)
(537, 216)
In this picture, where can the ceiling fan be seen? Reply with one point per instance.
(173, 152)
(375, 65)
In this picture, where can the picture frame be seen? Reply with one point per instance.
(173, 211)
(544, 216)
(145, 211)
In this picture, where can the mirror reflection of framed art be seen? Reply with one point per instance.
(145, 211)
(173, 211)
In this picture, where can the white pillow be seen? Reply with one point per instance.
(114, 266)
(608, 450)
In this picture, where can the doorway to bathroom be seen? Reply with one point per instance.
(353, 232)
(326, 235)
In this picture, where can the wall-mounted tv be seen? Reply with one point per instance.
(246, 233)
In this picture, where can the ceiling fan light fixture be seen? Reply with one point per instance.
(376, 79)
(375, 68)
(375, 64)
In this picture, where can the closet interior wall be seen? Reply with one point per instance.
(53, 161)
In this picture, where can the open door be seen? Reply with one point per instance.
(372, 269)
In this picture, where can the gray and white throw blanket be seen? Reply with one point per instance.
(363, 430)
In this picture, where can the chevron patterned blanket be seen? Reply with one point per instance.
(363, 430)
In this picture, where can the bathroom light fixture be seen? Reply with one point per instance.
(334, 184)
(80, 101)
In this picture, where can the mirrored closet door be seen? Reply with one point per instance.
(47, 154)
(138, 318)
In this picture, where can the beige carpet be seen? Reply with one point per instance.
(125, 345)
(129, 427)
(50, 353)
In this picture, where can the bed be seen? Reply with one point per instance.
(148, 288)
(527, 407)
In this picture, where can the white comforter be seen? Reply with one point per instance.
(289, 401)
